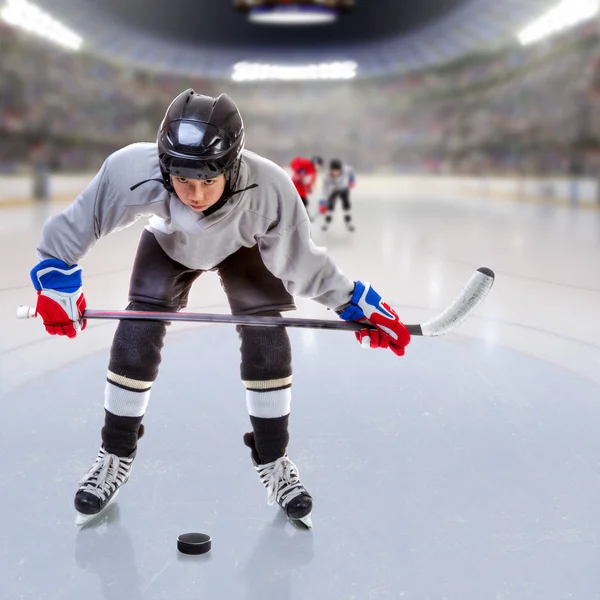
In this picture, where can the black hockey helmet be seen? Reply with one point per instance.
(201, 137)
(317, 160)
(335, 164)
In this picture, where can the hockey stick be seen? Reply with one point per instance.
(470, 297)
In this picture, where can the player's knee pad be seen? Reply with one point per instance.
(266, 355)
(136, 349)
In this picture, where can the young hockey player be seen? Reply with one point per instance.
(214, 207)
(338, 183)
(304, 175)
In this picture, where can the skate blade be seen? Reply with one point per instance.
(306, 522)
(81, 519)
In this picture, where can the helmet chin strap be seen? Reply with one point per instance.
(228, 193)
(162, 181)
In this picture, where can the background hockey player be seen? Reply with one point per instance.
(337, 184)
(213, 206)
(304, 175)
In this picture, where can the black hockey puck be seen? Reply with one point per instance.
(194, 543)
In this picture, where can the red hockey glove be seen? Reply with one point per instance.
(366, 305)
(373, 338)
(60, 300)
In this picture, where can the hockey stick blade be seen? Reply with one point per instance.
(476, 289)
(472, 294)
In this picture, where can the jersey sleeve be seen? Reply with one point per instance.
(288, 251)
(351, 177)
(98, 211)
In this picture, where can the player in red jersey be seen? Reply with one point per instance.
(304, 175)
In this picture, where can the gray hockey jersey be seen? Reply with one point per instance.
(339, 183)
(270, 215)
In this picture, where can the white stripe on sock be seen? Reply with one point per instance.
(135, 384)
(267, 384)
(269, 405)
(125, 403)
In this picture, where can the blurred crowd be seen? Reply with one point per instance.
(71, 107)
(531, 110)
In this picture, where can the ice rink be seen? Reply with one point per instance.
(467, 470)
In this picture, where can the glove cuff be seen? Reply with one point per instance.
(55, 274)
(353, 312)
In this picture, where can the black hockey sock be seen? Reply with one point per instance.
(271, 437)
(120, 434)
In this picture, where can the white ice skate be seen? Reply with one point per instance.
(101, 484)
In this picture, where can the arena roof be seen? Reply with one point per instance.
(207, 37)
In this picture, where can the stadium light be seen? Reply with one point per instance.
(31, 18)
(292, 15)
(563, 15)
(293, 12)
(245, 71)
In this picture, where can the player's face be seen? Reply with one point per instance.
(335, 172)
(199, 194)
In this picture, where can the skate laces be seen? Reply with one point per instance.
(106, 475)
(282, 480)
